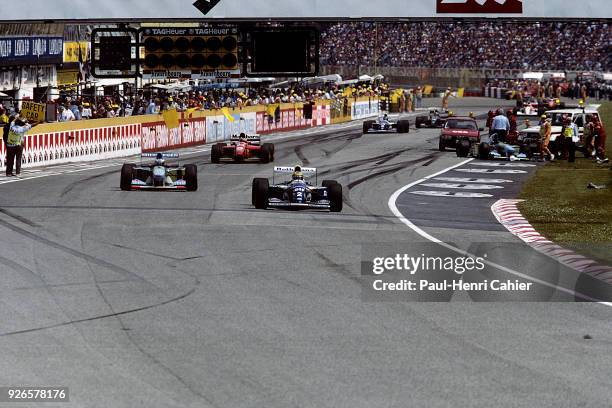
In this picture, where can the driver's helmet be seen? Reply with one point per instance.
(159, 159)
(297, 174)
(243, 137)
(386, 117)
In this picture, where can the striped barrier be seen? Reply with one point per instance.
(79, 145)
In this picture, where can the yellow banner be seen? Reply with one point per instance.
(427, 90)
(460, 92)
(227, 115)
(67, 77)
(32, 111)
(71, 51)
(171, 117)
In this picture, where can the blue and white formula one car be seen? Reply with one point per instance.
(383, 124)
(494, 149)
(159, 175)
(296, 193)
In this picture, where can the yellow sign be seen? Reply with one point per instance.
(32, 111)
(171, 117)
(427, 90)
(460, 92)
(71, 51)
(67, 77)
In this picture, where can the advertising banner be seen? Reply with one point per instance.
(31, 50)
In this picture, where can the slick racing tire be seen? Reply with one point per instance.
(463, 148)
(484, 150)
(403, 126)
(260, 193)
(127, 174)
(441, 145)
(216, 152)
(334, 193)
(266, 153)
(367, 125)
(191, 177)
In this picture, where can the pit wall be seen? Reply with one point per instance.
(96, 139)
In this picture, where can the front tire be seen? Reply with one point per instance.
(260, 193)
(266, 153)
(215, 153)
(403, 126)
(367, 125)
(127, 175)
(191, 177)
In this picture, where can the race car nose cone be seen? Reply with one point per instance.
(158, 180)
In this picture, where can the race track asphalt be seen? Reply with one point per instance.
(136, 299)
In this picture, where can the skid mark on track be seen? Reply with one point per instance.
(86, 180)
(88, 258)
(390, 170)
(19, 218)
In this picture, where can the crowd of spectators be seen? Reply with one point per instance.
(156, 101)
(511, 45)
(581, 88)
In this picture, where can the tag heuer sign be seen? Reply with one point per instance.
(480, 6)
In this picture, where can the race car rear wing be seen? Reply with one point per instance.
(254, 139)
(307, 171)
(154, 155)
(164, 155)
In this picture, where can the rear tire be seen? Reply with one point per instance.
(441, 145)
(483, 151)
(260, 193)
(334, 193)
(215, 153)
(367, 125)
(191, 177)
(127, 175)
(463, 148)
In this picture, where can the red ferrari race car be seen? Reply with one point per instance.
(243, 148)
(460, 133)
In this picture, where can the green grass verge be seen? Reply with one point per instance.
(561, 208)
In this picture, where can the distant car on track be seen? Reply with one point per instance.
(383, 124)
(460, 133)
(434, 120)
(159, 175)
(243, 148)
(296, 192)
